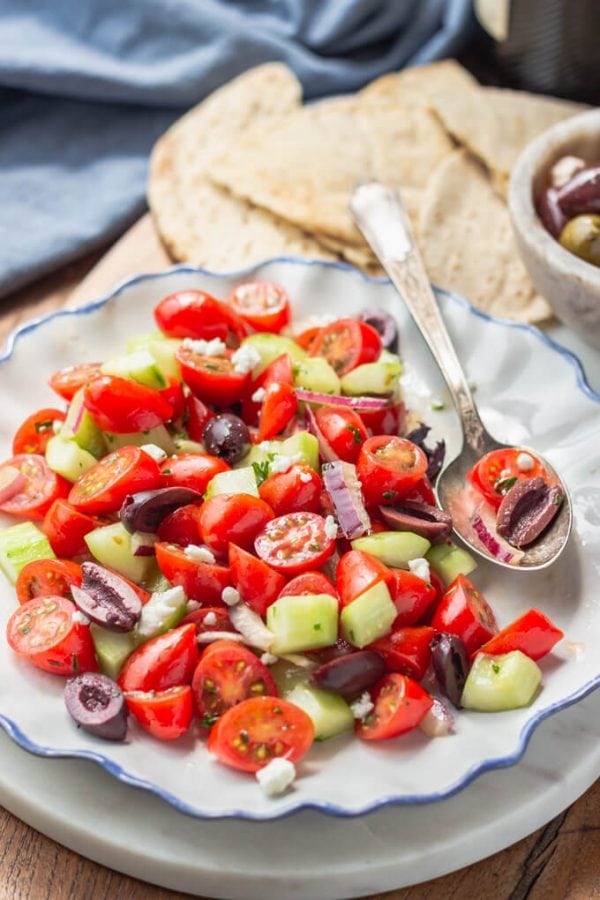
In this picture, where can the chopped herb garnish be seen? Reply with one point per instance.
(389, 495)
(317, 626)
(355, 434)
(207, 721)
(496, 668)
(558, 499)
(438, 405)
(166, 471)
(43, 426)
(503, 485)
(75, 662)
(261, 470)
(211, 368)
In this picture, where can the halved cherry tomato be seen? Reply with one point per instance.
(258, 584)
(346, 344)
(309, 583)
(279, 371)
(47, 578)
(212, 379)
(406, 650)
(296, 490)
(422, 491)
(209, 618)
(496, 472)
(37, 429)
(400, 704)
(197, 416)
(389, 420)
(278, 408)
(181, 526)
(307, 337)
(65, 527)
(174, 395)
(45, 632)
(262, 304)
(41, 488)
(295, 543)
(411, 595)
(66, 382)
(103, 488)
(203, 582)
(463, 611)
(124, 406)
(533, 633)
(196, 314)
(343, 429)
(356, 572)
(235, 518)
(255, 731)
(162, 662)
(226, 674)
(389, 468)
(166, 715)
(191, 470)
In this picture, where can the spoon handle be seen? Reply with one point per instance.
(380, 215)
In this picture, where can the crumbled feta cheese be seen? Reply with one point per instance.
(268, 659)
(331, 528)
(363, 706)
(209, 637)
(276, 776)
(265, 446)
(273, 387)
(420, 568)
(210, 619)
(158, 610)
(80, 617)
(216, 347)
(525, 462)
(259, 395)
(245, 359)
(250, 625)
(192, 606)
(57, 426)
(154, 451)
(305, 477)
(314, 322)
(281, 462)
(230, 596)
(202, 554)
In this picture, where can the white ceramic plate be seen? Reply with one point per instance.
(528, 389)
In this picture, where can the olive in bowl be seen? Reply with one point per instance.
(557, 235)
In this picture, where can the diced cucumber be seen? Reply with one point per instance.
(235, 481)
(21, 544)
(287, 675)
(164, 610)
(448, 560)
(80, 427)
(162, 348)
(394, 548)
(142, 341)
(111, 546)
(112, 649)
(372, 378)
(67, 458)
(315, 374)
(138, 366)
(386, 356)
(368, 617)
(185, 445)
(303, 622)
(156, 581)
(494, 683)
(302, 444)
(159, 436)
(270, 346)
(330, 713)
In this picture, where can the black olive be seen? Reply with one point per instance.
(383, 323)
(227, 437)
(107, 599)
(145, 510)
(451, 665)
(96, 703)
(350, 675)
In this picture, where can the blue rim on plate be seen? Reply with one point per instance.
(328, 808)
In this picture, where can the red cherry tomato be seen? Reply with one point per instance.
(174, 395)
(356, 572)
(463, 611)
(533, 633)
(209, 618)
(196, 314)
(309, 583)
(123, 406)
(400, 704)
(279, 371)
(65, 527)
(163, 662)
(38, 492)
(181, 526)
(278, 408)
(165, 715)
(203, 582)
(103, 488)
(259, 585)
(343, 429)
(496, 472)
(255, 731)
(389, 420)
(226, 675)
(296, 490)
(265, 306)
(422, 491)
(307, 337)
(295, 543)
(47, 578)
(212, 379)
(45, 632)
(346, 344)
(66, 382)
(411, 595)
(235, 518)
(191, 470)
(35, 432)
(197, 416)
(389, 467)
(406, 650)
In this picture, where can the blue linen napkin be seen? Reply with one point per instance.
(86, 87)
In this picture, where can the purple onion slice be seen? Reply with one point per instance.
(357, 403)
(342, 484)
(326, 451)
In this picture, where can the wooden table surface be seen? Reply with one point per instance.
(561, 860)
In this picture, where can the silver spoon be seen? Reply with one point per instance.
(379, 213)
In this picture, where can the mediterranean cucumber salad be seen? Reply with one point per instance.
(229, 527)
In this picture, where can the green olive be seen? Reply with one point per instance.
(581, 236)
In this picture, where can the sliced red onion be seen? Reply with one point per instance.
(142, 543)
(12, 481)
(325, 449)
(356, 403)
(251, 626)
(209, 637)
(483, 522)
(439, 721)
(343, 487)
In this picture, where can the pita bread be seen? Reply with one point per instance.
(419, 84)
(467, 243)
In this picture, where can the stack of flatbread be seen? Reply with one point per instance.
(252, 173)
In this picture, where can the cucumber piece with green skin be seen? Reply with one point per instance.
(315, 374)
(495, 683)
(159, 436)
(112, 649)
(369, 616)
(394, 548)
(303, 622)
(163, 611)
(139, 366)
(80, 427)
(302, 444)
(270, 346)
(330, 713)
(372, 378)
(21, 544)
(67, 458)
(287, 675)
(162, 348)
(448, 560)
(110, 545)
(235, 481)
(185, 445)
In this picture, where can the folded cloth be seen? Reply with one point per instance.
(87, 87)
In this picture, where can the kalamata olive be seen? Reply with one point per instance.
(350, 675)
(450, 662)
(435, 455)
(96, 703)
(527, 510)
(581, 236)
(227, 437)
(552, 216)
(581, 194)
(145, 510)
(107, 599)
(383, 323)
(419, 517)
